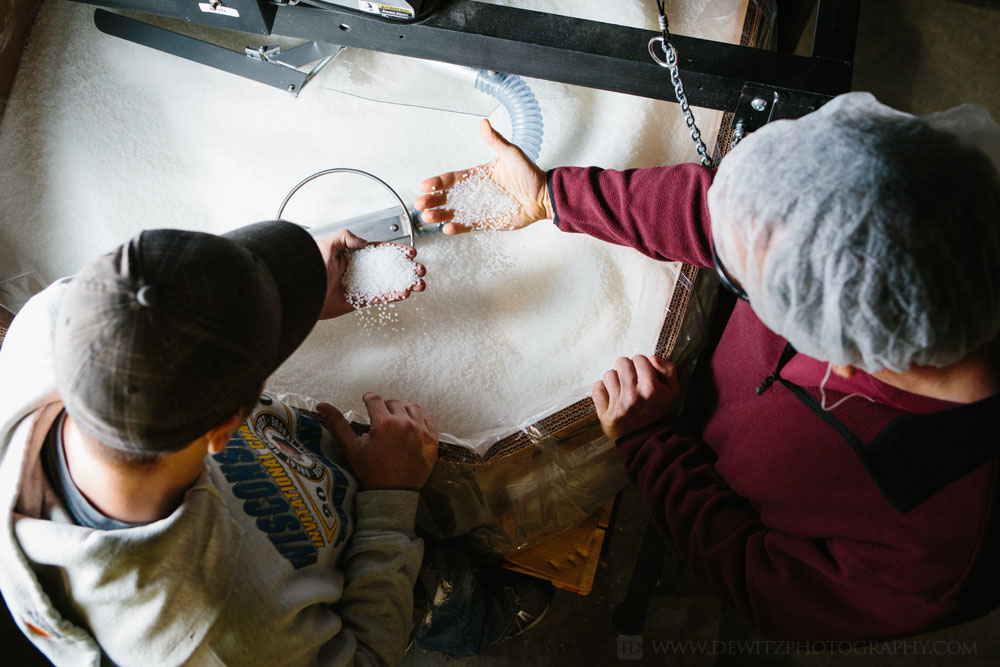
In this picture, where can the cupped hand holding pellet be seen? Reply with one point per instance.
(512, 171)
(634, 394)
(336, 250)
(381, 273)
(400, 450)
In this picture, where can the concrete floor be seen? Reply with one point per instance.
(915, 55)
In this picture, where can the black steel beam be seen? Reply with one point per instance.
(584, 53)
(836, 29)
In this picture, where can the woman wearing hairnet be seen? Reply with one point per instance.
(837, 477)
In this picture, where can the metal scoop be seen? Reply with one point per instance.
(394, 224)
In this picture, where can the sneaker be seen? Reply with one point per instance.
(532, 598)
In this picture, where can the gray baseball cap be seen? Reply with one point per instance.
(169, 335)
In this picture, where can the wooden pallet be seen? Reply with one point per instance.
(569, 560)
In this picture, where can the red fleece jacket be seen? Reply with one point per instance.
(765, 500)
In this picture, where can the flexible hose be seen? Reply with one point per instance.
(525, 119)
(520, 102)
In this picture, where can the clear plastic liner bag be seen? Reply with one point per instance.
(520, 498)
(19, 281)
(17, 289)
(15, 21)
(767, 10)
(557, 470)
(388, 78)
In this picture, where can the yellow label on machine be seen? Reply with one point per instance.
(388, 11)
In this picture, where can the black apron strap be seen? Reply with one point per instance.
(916, 456)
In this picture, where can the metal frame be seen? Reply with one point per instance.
(267, 65)
(593, 54)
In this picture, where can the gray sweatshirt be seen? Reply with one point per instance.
(273, 558)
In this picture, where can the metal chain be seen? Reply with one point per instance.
(670, 62)
(739, 132)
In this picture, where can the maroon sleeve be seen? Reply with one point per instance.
(786, 586)
(661, 211)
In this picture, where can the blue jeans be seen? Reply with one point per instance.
(467, 608)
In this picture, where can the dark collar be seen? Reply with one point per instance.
(917, 455)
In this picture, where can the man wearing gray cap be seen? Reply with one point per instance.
(123, 543)
(834, 475)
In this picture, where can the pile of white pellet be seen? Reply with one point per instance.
(511, 324)
(480, 203)
(377, 271)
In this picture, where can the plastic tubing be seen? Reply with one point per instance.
(520, 102)
(521, 105)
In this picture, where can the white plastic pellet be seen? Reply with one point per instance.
(377, 271)
(480, 203)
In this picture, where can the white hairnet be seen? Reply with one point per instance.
(867, 236)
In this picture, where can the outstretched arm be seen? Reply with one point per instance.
(660, 211)
(512, 170)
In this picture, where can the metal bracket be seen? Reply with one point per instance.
(759, 105)
(263, 53)
(264, 64)
(388, 225)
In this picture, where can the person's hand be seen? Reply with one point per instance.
(512, 170)
(398, 452)
(335, 249)
(634, 394)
